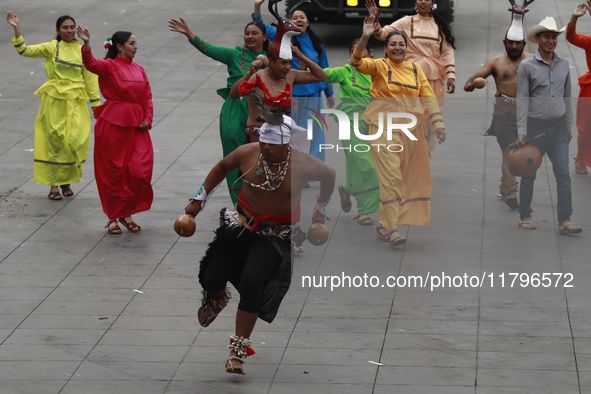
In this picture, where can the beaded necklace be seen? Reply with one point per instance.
(282, 81)
(273, 180)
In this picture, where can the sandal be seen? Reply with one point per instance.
(112, 227)
(527, 224)
(67, 191)
(239, 350)
(211, 307)
(232, 368)
(567, 228)
(396, 239)
(345, 199)
(131, 226)
(54, 195)
(364, 220)
(580, 168)
(382, 233)
(297, 250)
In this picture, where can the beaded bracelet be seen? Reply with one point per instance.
(200, 196)
(321, 208)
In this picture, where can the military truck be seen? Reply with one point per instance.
(351, 11)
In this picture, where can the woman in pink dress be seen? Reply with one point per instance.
(123, 153)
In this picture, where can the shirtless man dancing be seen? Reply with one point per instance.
(503, 69)
(252, 248)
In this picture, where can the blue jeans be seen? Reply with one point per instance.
(555, 145)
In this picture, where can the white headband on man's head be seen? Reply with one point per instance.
(276, 134)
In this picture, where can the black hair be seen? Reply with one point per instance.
(317, 42)
(444, 28)
(59, 22)
(120, 37)
(263, 29)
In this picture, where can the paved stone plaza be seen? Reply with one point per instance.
(84, 312)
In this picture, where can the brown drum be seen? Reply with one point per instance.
(524, 160)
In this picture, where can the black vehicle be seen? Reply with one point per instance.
(350, 11)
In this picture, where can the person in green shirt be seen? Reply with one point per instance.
(234, 111)
(361, 180)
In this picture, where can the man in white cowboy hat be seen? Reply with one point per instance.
(544, 107)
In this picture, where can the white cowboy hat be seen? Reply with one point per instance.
(547, 24)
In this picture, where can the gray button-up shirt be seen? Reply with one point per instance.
(543, 91)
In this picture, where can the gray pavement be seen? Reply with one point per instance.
(85, 312)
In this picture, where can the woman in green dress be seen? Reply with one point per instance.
(237, 59)
(361, 179)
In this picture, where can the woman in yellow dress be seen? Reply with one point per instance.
(62, 126)
(400, 156)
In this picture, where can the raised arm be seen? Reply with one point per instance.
(92, 64)
(366, 66)
(255, 66)
(315, 73)
(221, 54)
(13, 21)
(33, 51)
(368, 28)
(579, 40)
(374, 11)
(256, 15)
(180, 26)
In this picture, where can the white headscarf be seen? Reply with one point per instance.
(276, 134)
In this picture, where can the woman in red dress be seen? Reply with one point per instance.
(123, 153)
(583, 158)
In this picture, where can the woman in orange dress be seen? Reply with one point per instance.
(404, 174)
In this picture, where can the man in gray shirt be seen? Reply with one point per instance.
(544, 106)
